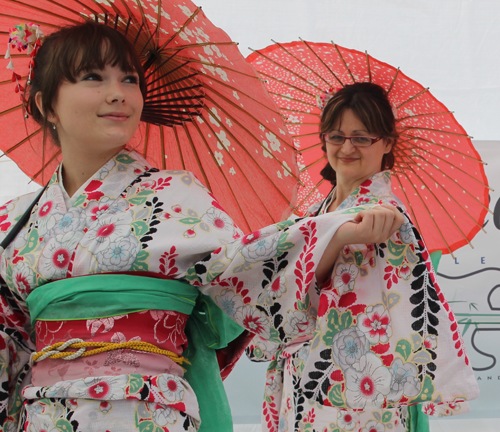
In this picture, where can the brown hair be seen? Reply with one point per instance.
(73, 50)
(370, 104)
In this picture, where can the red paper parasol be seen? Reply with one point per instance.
(437, 174)
(206, 109)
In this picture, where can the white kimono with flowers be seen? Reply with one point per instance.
(133, 219)
(384, 338)
(130, 218)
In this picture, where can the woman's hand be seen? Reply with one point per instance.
(369, 226)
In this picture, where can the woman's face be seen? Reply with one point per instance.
(100, 112)
(355, 164)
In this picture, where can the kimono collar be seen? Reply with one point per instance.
(375, 190)
(110, 180)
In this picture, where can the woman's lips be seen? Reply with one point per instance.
(348, 160)
(115, 116)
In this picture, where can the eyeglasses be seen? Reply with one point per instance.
(356, 141)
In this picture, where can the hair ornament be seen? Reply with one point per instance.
(24, 37)
(323, 98)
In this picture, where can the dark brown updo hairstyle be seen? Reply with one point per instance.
(65, 54)
(369, 103)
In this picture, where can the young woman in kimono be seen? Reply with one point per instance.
(385, 337)
(117, 265)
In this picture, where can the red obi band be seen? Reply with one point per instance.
(164, 329)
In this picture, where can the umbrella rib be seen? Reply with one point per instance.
(207, 146)
(129, 11)
(257, 194)
(250, 115)
(302, 63)
(427, 208)
(198, 161)
(413, 138)
(156, 70)
(406, 128)
(10, 80)
(394, 78)
(184, 78)
(314, 189)
(287, 84)
(157, 95)
(186, 23)
(344, 62)
(322, 62)
(20, 143)
(420, 93)
(162, 146)
(293, 99)
(47, 164)
(321, 159)
(205, 63)
(30, 20)
(432, 219)
(100, 6)
(45, 11)
(314, 146)
(246, 95)
(8, 111)
(300, 112)
(305, 135)
(202, 44)
(466, 191)
(146, 141)
(179, 148)
(434, 114)
(287, 69)
(16, 56)
(246, 150)
(450, 196)
(158, 23)
(403, 190)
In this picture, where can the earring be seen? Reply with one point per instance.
(54, 126)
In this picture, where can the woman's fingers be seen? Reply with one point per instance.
(378, 224)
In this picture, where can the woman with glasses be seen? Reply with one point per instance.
(382, 339)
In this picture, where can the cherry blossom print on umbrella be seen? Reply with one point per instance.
(438, 174)
(206, 109)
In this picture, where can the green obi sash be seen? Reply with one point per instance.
(105, 295)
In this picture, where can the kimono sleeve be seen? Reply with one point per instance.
(263, 281)
(15, 349)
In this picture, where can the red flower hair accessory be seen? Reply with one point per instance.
(24, 37)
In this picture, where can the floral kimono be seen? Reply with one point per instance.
(384, 338)
(124, 261)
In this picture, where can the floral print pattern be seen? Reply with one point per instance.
(375, 343)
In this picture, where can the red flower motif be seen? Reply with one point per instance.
(93, 185)
(99, 390)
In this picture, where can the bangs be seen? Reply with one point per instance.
(94, 47)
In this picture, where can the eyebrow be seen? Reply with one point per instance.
(354, 131)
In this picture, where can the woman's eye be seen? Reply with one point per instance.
(362, 140)
(132, 79)
(92, 76)
(335, 138)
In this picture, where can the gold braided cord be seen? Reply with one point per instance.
(108, 346)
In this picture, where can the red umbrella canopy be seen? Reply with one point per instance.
(206, 110)
(438, 174)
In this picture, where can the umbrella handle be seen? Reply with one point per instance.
(20, 223)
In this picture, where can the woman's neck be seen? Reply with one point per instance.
(79, 166)
(342, 190)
